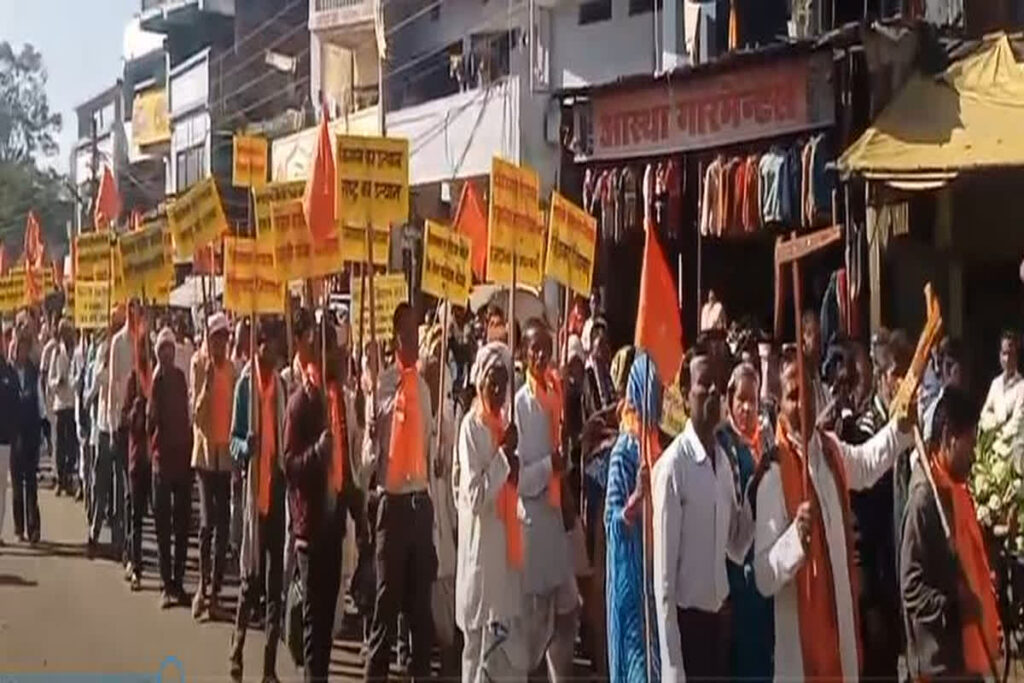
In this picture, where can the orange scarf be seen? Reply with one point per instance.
(508, 497)
(407, 454)
(816, 609)
(548, 390)
(339, 457)
(268, 436)
(970, 549)
(650, 445)
(752, 440)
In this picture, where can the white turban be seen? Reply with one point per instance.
(489, 355)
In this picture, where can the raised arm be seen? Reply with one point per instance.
(865, 464)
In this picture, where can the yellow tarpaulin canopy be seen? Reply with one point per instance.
(969, 117)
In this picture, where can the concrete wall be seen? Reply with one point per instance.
(602, 51)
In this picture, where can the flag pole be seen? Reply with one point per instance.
(645, 541)
(438, 460)
(253, 413)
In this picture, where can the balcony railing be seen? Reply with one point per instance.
(332, 15)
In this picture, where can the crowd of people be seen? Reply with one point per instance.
(517, 501)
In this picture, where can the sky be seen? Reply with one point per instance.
(81, 43)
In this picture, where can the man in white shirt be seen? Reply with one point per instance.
(551, 603)
(62, 402)
(803, 552)
(698, 523)
(1004, 405)
(120, 370)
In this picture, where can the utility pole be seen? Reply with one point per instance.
(94, 167)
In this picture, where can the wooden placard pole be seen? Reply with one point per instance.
(791, 252)
(438, 459)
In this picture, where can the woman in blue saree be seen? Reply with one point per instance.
(746, 439)
(629, 644)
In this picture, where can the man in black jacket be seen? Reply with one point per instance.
(937, 602)
(29, 426)
(8, 402)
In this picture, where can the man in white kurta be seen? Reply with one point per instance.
(1004, 404)
(488, 585)
(780, 550)
(551, 607)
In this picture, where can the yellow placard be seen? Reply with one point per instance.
(249, 161)
(150, 124)
(447, 271)
(250, 282)
(353, 244)
(92, 254)
(388, 291)
(296, 255)
(196, 219)
(273, 193)
(515, 227)
(146, 261)
(92, 305)
(373, 180)
(12, 291)
(572, 240)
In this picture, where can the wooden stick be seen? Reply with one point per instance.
(646, 542)
(438, 460)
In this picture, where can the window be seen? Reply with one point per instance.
(593, 11)
(191, 167)
(643, 6)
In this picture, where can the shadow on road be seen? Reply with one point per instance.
(15, 580)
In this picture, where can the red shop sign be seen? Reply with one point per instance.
(766, 100)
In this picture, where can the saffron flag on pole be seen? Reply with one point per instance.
(108, 201)
(659, 327)
(471, 221)
(319, 197)
(35, 251)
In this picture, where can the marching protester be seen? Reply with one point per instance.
(140, 471)
(441, 483)
(9, 398)
(30, 425)
(632, 624)
(60, 382)
(397, 448)
(240, 354)
(122, 363)
(490, 560)
(700, 521)
(316, 448)
(81, 370)
(551, 599)
(258, 448)
(803, 547)
(599, 392)
(170, 440)
(213, 386)
(952, 620)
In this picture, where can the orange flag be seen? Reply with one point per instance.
(108, 201)
(659, 328)
(318, 200)
(471, 221)
(35, 251)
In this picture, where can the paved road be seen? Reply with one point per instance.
(63, 613)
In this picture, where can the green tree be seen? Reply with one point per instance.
(28, 134)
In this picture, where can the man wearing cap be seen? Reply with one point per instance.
(213, 386)
(170, 442)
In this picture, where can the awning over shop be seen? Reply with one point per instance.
(967, 118)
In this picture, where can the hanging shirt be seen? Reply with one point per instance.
(773, 188)
(630, 200)
(710, 216)
(674, 198)
(751, 210)
(726, 215)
